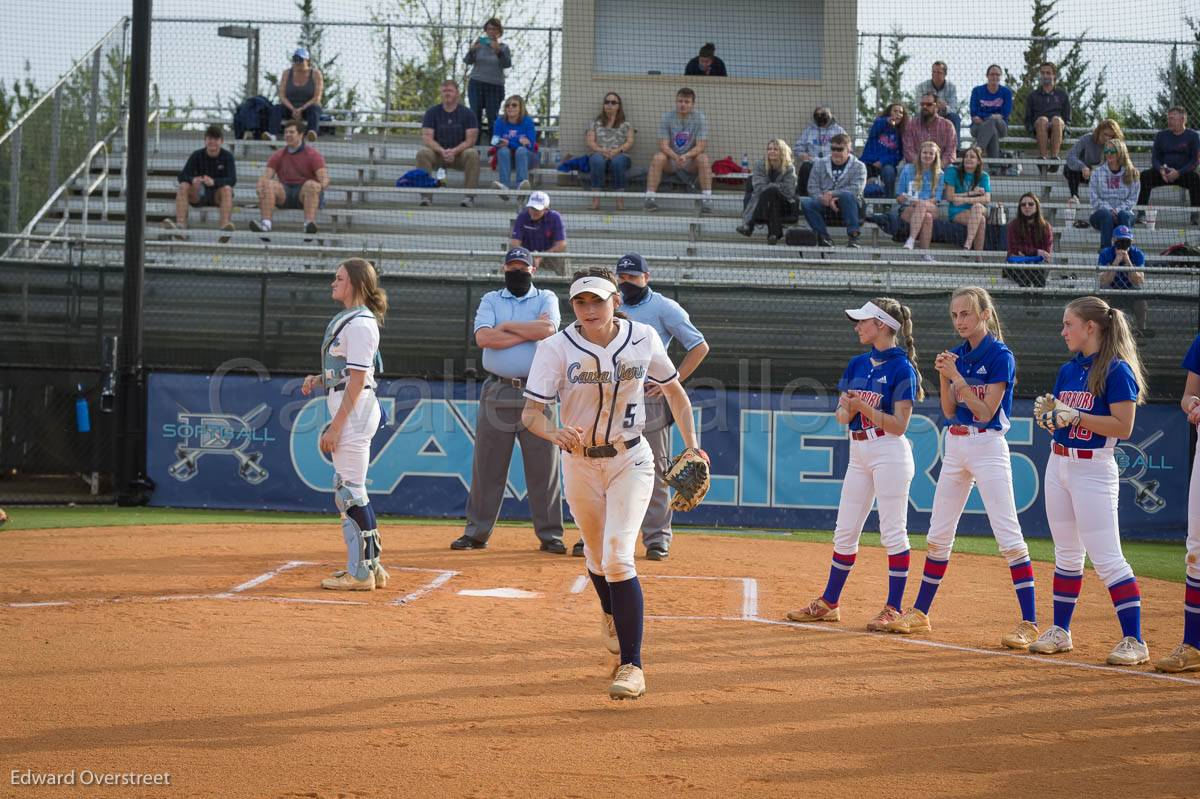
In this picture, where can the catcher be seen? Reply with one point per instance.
(1094, 403)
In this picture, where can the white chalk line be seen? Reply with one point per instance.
(443, 577)
(262, 578)
(580, 583)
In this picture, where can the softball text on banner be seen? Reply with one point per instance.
(239, 441)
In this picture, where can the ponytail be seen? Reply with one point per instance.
(983, 302)
(365, 280)
(903, 314)
(1116, 343)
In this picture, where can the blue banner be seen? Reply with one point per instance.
(239, 441)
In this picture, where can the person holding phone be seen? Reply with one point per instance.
(488, 57)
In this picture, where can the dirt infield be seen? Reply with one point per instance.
(198, 652)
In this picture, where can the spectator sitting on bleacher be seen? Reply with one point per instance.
(1173, 160)
(921, 190)
(207, 179)
(1047, 114)
(1086, 154)
(1029, 234)
(928, 126)
(515, 137)
(609, 139)
(835, 188)
(1114, 191)
(295, 177)
(991, 105)
(682, 142)
(813, 143)
(884, 149)
(488, 58)
(706, 63)
(449, 132)
(968, 191)
(946, 96)
(300, 89)
(1126, 275)
(539, 229)
(772, 192)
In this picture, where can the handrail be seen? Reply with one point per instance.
(85, 168)
(49, 93)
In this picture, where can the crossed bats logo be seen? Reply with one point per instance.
(1133, 463)
(220, 434)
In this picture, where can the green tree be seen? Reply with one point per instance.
(1041, 42)
(1088, 96)
(1180, 81)
(312, 35)
(884, 81)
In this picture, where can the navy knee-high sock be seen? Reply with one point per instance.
(602, 591)
(627, 610)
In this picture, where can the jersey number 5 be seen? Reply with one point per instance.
(629, 414)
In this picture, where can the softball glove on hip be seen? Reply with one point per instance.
(1054, 414)
(688, 475)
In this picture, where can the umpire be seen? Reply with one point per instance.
(508, 325)
(642, 304)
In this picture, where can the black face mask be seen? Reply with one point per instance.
(821, 119)
(632, 293)
(518, 282)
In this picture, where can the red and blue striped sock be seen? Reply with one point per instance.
(935, 570)
(602, 591)
(1127, 599)
(1066, 594)
(839, 570)
(1191, 612)
(897, 577)
(1022, 578)
(627, 610)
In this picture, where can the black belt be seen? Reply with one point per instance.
(516, 382)
(610, 450)
(342, 387)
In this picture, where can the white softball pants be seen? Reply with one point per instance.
(608, 498)
(1081, 507)
(353, 451)
(880, 468)
(982, 459)
(1193, 538)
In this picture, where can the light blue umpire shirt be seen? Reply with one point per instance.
(667, 317)
(502, 306)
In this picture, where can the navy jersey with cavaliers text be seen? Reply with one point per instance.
(882, 378)
(991, 362)
(1191, 361)
(1072, 389)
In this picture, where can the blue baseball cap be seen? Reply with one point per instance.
(632, 264)
(518, 254)
(300, 53)
(1122, 232)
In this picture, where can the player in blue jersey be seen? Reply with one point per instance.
(1186, 656)
(976, 380)
(349, 363)
(878, 390)
(1093, 406)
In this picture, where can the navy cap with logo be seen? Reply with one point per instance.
(632, 264)
(518, 254)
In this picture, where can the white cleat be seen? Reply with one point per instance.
(630, 683)
(608, 629)
(1053, 641)
(345, 581)
(1129, 651)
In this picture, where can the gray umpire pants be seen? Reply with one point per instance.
(656, 527)
(496, 429)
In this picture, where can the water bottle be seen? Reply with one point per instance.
(441, 176)
(496, 139)
(746, 163)
(83, 420)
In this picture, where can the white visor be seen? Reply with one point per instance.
(601, 287)
(872, 311)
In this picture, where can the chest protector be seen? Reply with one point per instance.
(333, 367)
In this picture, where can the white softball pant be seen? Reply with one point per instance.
(608, 498)
(353, 451)
(1193, 538)
(879, 468)
(979, 459)
(1081, 507)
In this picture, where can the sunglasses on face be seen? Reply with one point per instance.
(838, 149)
(1110, 151)
(612, 102)
(1028, 205)
(927, 105)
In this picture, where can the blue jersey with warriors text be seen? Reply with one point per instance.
(882, 379)
(1072, 389)
(1191, 361)
(991, 362)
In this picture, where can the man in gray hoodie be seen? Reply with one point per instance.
(835, 187)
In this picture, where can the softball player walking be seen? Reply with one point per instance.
(349, 360)
(1095, 401)
(976, 380)
(1186, 656)
(877, 389)
(599, 367)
